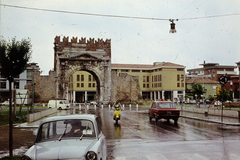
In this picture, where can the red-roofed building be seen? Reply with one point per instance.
(162, 80)
(214, 71)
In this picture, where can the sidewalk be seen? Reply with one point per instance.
(211, 118)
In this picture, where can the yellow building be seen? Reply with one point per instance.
(82, 86)
(162, 80)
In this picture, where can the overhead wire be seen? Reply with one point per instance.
(194, 8)
(114, 16)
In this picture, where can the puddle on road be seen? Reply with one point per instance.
(16, 152)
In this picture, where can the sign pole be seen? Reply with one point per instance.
(222, 80)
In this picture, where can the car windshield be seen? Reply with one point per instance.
(63, 129)
(166, 105)
(66, 102)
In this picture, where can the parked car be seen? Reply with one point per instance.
(60, 104)
(217, 103)
(69, 137)
(207, 101)
(6, 103)
(163, 109)
(192, 101)
(93, 103)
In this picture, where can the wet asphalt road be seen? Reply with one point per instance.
(135, 137)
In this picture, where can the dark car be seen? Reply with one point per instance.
(163, 109)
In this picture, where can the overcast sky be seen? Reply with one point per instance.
(206, 30)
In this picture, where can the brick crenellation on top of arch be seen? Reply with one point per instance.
(89, 44)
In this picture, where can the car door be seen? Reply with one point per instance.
(101, 138)
(151, 110)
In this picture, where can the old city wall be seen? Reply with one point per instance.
(125, 88)
(44, 88)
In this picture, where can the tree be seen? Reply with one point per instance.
(14, 56)
(224, 95)
(197, 89)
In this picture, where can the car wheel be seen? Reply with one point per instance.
(60, 108)
(150, 118)
(156, 119)
(175, 120)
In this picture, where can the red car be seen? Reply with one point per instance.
(163, 109)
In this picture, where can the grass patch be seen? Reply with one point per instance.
(25, 107)
(4, 117)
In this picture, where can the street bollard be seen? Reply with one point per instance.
(80, 107)
(102, 107)
(95, 107)
(130, 106)
(87, 107)
(123, 106)
(74, 110)
(109, 106)
(136, 106)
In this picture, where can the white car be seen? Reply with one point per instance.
(59, 104)
(6, 103)
(69, 137)
(93, 103)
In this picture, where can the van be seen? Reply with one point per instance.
(59, 104)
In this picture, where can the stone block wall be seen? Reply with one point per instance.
(44, 88)
(125, 88)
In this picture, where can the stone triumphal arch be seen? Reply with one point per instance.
(93, 56)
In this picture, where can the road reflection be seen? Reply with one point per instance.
(118, 132)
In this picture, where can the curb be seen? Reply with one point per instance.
(212, 121)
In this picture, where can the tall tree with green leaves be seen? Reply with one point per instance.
(224, 95)
(197, 89)
(14, 56)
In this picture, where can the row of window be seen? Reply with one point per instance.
(157, 85)
(180, 77)
(149, 71)
(157, 78)
(90, 78)
(3, 84)
(90, 85)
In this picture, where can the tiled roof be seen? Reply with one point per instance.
(145, 65)
(200, 80)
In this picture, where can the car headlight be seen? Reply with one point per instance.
(91, 155)
(25, 158)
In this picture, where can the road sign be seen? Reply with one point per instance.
(223, 80)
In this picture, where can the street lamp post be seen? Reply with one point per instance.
(238, 64)
(182, 79)
(33, 65)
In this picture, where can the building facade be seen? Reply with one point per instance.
(19, 84)
(82, 87)
(162, 80)
(214, 71)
